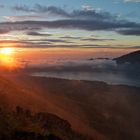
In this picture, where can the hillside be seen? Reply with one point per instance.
(26, 95)
(22, 116)
(23, 124)
(99, 110)
(132, 58)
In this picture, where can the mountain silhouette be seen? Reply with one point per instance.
(132, 58)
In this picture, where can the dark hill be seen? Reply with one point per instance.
(102, 111)
(22, 116)
(132, 58)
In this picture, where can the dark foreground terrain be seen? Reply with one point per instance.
(53, 109)
(22, 124)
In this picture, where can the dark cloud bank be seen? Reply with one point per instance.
(89, 20)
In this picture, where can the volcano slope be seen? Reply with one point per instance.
(101, 111)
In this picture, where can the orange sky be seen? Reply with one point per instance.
(18, 57)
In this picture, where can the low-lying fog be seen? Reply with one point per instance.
(106, 70)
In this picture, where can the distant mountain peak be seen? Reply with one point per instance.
(132, 58)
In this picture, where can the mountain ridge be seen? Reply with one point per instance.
(133, 58)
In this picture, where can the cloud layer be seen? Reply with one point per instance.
(89, 20)
(131, 1)
(89, 25)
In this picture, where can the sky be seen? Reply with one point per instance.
(70, 23)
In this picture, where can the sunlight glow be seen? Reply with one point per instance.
(7, 59)
(7, 51)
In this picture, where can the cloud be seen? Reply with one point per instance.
(23, 8)
(89, 20)
(70, 37)
(68, 65)
(97, 39)
(48, 43)
(49, 40)
(2, 6)
(57, 11)
(33, 33)
(135, 32)
(100, 70)
(135, 1)
(137, 47)
(58, 41)
(3, 31)
(37, 8)
(18, 26)
(90, 25)
(87, 7)
(37, 43)
(23, 18)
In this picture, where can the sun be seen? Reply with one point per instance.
(7, 51)
(7, 59)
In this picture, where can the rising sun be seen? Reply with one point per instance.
(7, 59)
(7, 51)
